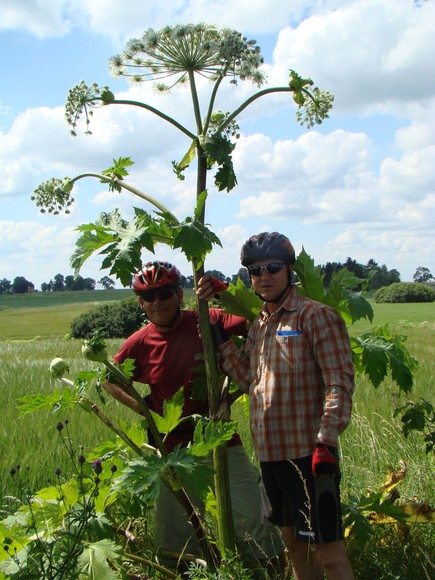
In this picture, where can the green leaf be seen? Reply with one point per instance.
(56, 400)
(172, 413)
(214, 434)
(218, 149)
(310, 277)
(376, 353)
(88, 243)
(225, 177)
(118, 169)
(143, 476)
(195, 240)
(358, 307)
(200, 204)
(122, 242)
(98, 559)
(241, 301)
(189, 156)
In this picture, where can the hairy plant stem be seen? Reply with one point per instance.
(225, 520)
(156, 112)
(121, 183)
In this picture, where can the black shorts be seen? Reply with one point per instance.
(293, 497)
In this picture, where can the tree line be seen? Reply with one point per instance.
(375, 275)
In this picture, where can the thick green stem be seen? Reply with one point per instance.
(156, 112)
(95, 409)
(220, 463)
(251, 100)
(196, 108)
(212, 100)
(124, 185)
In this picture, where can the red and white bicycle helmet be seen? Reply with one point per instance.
(156, 275)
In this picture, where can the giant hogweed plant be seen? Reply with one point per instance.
(168, 57)
(176, 56)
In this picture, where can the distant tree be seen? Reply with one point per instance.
(422, 274)
(79, 283)
(216, 274)
(5, 286)
(189, 282)
(359, 270)
(393, 276)
(106, 282)
(46, 287)
(71, 282)
(243, 274)
(21, 285)
(328, 269)
(58, 283)
(89, 284)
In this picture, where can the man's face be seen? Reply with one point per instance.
(269, 284)
(161, 305)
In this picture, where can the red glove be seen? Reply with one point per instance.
(217, 285)
(324, 460)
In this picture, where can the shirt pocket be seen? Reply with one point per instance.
(291, 348)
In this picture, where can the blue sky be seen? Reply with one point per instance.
(359, 185)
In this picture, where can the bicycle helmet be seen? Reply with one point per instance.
(155, 275)
(267, 245)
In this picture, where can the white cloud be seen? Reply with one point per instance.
(39, 17)
(372, 54)
(360, 185)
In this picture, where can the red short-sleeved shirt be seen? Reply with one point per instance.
(166, 362)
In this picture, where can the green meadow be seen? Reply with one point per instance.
(32, 331)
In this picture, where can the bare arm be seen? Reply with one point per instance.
(118, 393)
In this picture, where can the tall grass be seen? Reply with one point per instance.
(371, 445)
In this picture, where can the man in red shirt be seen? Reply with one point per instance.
(166, 353)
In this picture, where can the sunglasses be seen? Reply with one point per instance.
(272, 268)
(164, 294)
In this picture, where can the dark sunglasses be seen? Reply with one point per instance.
(164, 294)
(272, 268)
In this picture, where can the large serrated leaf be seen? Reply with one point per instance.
(97, 559)
(214, 434)
(241, 301)
(172, 413)
(64, 399)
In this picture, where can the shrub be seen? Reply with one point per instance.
(405, 292)
(113, 320)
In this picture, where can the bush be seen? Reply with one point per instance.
(113, 320)
(405, 292)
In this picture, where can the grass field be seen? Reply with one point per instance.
(32, 328)
(48, 314)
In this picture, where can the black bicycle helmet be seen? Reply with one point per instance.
(264, 246)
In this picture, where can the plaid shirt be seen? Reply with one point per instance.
(297, 366)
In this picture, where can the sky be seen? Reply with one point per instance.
(360, 185)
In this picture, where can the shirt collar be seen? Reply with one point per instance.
(290, 303)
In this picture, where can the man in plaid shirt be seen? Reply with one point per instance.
(297, 367)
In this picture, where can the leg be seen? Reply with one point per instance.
(173, 532)
(333, 559)
(257, 540)
(304, 564)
